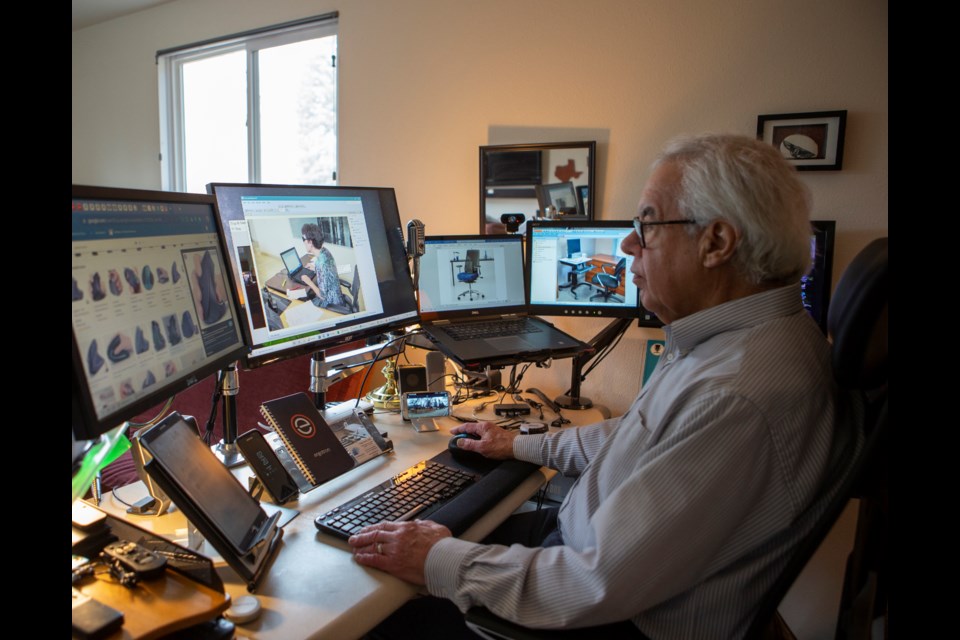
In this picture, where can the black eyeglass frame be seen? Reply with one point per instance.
(639, 224)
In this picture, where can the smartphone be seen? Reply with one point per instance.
(421, 407)
(278, 483)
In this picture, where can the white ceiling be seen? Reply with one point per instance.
(90, 12)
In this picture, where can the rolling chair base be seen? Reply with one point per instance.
(606, 298)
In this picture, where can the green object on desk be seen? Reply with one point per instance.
(111, 446)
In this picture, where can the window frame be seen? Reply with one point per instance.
(170, 64)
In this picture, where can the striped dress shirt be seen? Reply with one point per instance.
(684, 508)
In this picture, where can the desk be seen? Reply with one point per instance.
(314, 589)
(576, 268)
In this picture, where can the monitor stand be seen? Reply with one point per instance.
(226, 450)
(572, 399)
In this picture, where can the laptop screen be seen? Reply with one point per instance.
(462, 276)
(291, 261)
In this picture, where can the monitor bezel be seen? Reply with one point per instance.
(86, 424)
(394, 234)
(580, 311)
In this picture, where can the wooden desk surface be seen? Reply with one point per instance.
(605, 258)
(154, 608)
(314, 589)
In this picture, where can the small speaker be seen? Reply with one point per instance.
(436, 371)
(411, 377)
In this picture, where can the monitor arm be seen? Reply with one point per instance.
(325, 372)
(572, 399)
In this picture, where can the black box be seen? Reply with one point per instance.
(517, 409)
(411, 377)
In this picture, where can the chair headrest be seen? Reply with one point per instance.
(857, 320)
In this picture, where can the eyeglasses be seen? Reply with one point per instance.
(638, 226)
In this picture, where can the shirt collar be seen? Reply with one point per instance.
(688, 332)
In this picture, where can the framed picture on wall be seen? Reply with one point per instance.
(810, 141)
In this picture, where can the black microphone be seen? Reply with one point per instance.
(415, 248)
(415, 233)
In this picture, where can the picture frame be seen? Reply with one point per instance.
(810, 141)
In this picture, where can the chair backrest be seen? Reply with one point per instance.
(355, 289)
(618, 271)
(857, 325)
(472, 263)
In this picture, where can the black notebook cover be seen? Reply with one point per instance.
(307, 436)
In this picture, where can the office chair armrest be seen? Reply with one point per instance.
(481, 621)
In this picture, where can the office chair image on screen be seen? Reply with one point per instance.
(350, 297)
(573, 275)
(470, 273)
(608, 282)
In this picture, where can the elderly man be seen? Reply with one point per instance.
(686, 506)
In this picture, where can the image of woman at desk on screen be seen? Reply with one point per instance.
(326, 285)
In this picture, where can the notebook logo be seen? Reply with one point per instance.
(303, 426)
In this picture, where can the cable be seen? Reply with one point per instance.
(376, 358)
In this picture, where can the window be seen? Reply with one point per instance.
(254, 107)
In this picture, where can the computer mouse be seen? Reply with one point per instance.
(457, 451)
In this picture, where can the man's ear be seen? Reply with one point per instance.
(718, 242)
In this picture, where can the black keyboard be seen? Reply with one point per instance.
(491, 328)
(415, 493)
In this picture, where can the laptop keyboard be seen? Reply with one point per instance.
(491, 329)
(418, 491)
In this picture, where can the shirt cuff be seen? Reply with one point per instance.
(528, 447)
(442, 568)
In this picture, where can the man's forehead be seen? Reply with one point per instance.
(660, 192)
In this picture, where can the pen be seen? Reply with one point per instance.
(284, 283)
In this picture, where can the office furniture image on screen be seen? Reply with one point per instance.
(470, 273)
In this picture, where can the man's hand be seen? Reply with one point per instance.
(494, 442)
(399, 548)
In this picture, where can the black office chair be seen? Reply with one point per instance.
(470, 273)
(857, 323)
(350, 296)
(609, 282)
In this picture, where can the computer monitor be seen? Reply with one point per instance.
(814, 286)
(576, 268)
(361, 265)
(561, 195)
(153, 307)
(512, 168)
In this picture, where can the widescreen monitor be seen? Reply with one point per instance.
(152, 306)
(576, 268)
(814, 286)
(361, 284)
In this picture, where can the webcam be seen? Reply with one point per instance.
(513, 221)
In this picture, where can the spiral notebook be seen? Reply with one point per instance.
(308, 438)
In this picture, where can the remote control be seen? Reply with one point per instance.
(145, 564)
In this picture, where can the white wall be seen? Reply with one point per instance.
(424, 83)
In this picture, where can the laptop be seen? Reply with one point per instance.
(472, 299)
(292, 263)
